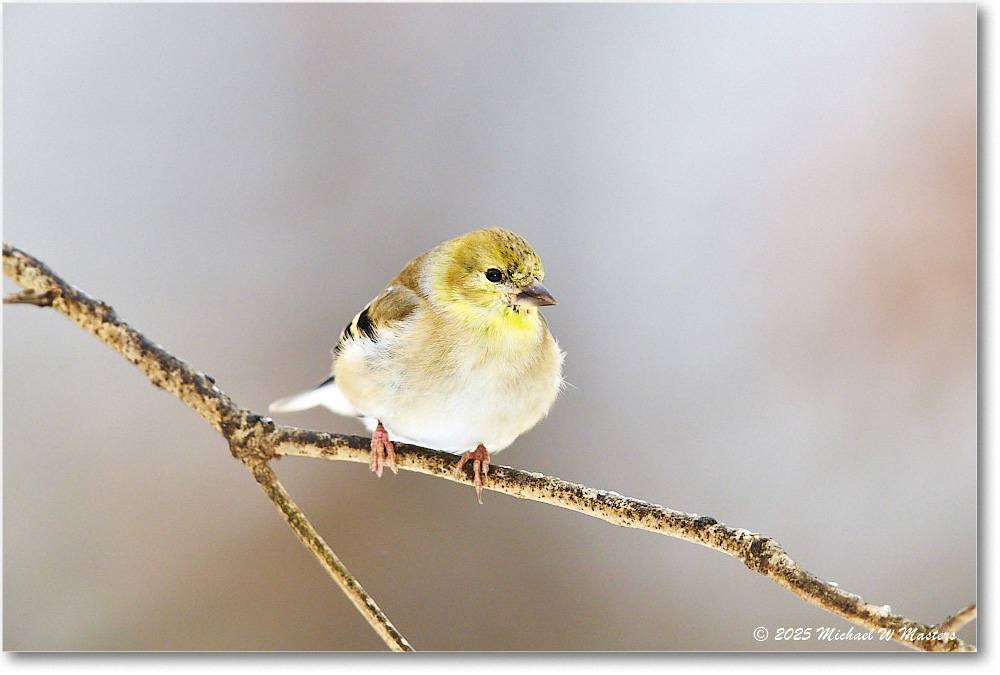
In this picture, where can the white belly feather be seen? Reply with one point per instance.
(471, 396)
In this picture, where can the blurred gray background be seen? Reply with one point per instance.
(759, 222)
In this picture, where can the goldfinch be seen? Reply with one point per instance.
(453, 355)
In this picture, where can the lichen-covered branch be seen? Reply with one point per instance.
(759, 553)
(241, 428)
(255, 440)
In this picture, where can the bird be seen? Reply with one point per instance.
(452, 355)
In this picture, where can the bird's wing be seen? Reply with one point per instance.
(396, 303)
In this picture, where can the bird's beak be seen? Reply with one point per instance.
(534, 295)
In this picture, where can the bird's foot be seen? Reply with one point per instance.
(480, 467)
(381, 449)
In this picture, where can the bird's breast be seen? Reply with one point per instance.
(452, 396)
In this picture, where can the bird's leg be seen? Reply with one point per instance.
(480, 467)
(381, 447)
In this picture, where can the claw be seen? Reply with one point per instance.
(480, 467)
(382, 448)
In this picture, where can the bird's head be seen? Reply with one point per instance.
(490, 276)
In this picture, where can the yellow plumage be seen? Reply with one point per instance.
(452, 355)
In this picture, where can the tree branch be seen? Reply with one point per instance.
(255, 440)
(239, 426)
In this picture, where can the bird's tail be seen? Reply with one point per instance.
(326, 394)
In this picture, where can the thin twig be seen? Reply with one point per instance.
(256, 439)
(314, 542)
(31, 297)
(239, 426)
(957, 621)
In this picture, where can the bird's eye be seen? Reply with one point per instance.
(493, 274)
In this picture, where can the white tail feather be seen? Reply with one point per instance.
(327, 395)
